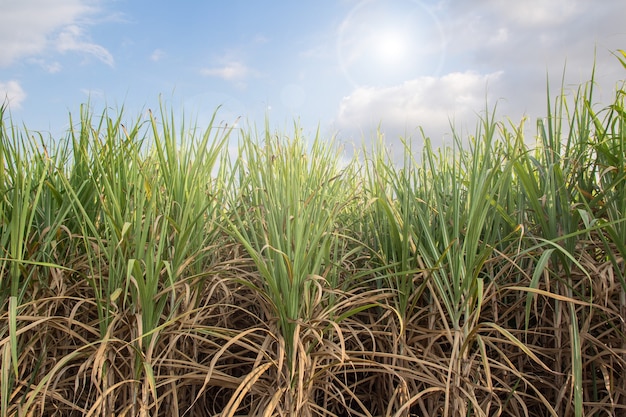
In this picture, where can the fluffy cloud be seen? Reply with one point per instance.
(495, 53)
(532, 34)
(534, 13)
(431, 103)
(11, 92)
(31, 27)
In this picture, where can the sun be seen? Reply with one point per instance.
(391, 46)
(386, 42)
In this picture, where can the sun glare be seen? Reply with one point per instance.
(387, 42)
(391, 46)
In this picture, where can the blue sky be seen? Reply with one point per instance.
(345, 66)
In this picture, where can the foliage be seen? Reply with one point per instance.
(153, 270)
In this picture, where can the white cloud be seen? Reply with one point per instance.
(233, 71)
(260, 39)
(537, 12)
(428, 102)
(50, 67)
(92, 93)
(501, 36)
(157, 55)
(32, 27)
(12, 93)
(533, 41)
(533, 33)
(72, 39)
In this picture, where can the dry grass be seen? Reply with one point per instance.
(144, 272)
